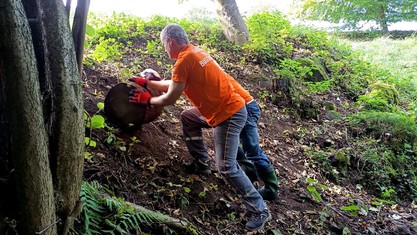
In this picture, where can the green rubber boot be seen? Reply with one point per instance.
(246, 165)
(268, 176)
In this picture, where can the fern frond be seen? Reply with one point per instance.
(105, 214)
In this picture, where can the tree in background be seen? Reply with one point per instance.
(228, 14)
(354, 12)
(234, 28)
(41, 118)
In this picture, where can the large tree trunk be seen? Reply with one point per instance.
(68, 138)
(41, 116)
(29, 142)
(234, 27)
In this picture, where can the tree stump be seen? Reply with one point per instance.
(122, 114)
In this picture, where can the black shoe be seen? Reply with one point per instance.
(200, 166)
(257, 221)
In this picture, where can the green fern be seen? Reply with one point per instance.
(103, 214)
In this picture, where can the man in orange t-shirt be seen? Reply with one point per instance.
(250, 157)
(209, 90)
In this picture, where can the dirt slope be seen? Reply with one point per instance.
(146, 168)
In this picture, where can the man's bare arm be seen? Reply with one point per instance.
(159, 85)
(174, 92)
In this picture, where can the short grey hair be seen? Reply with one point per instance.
(175, 32)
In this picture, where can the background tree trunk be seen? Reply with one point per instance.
(78, 31)
(234, 27)
(383, 20)
(68, 8)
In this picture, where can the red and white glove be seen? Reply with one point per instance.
(151, 74)
(140, 97)
(139, 80)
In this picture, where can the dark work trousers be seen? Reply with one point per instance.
(192, 124)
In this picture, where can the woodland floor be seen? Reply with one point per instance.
(148, 171)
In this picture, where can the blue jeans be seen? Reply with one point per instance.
(249, 138)
(226, 143)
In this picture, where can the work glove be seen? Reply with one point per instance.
(151, 74)
(139, 80)
(140, 97)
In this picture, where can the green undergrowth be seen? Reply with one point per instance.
(385, 152)
(395, 56)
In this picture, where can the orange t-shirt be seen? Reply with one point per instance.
(240, 90)
(207, 86)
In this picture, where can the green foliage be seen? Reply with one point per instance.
(317, 63)
(231, 216)
(381, 97)
(397, 65)
(342, 160)
(320, 157)
(318, 87)
(354, 12)
(333, 168)
(293, 73)
(208, 35)
(390, 162)
(118, 26)
(352, 209)
(106, 49)
(381, 202)
(112, 33)
(355, 208)
(93, 122)
(207, 188)
(110, 215)
(311, 39)
(395, 129)
(90, 143)
(383, 171)
(316, 73)
(89, 33)
(313, 187)
(267, 37)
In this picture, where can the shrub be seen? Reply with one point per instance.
(395, 129)
(267, 43)
(379, 169)
(380, 97)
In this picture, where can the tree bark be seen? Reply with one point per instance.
(234, 27)
(68, 138)
(29, 142)
(41, 118)
(78, 31)
(34, 15)
(68, 8)
(383, 20)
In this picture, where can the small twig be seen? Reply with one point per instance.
(48, 227)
